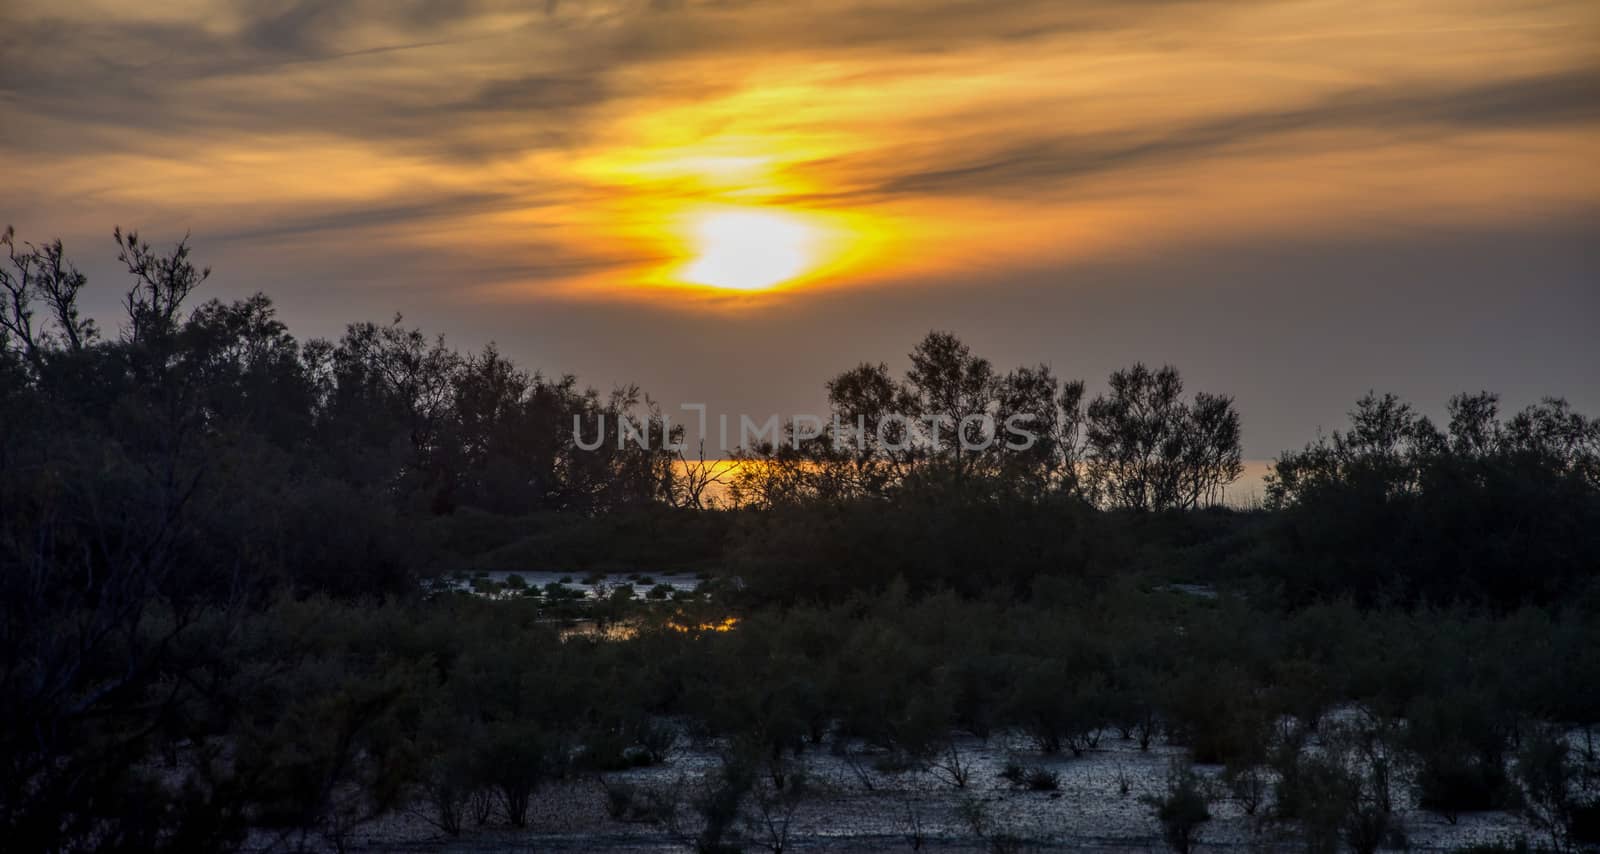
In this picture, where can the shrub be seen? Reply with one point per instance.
(1555, 791)
(627, 802)
(1453, 783)
(1043, 780)
(1460, 745)
(1249, 785)
(1182, 808)
(1033, 778)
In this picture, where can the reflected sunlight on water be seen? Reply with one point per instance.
(726, 624)
(595, 630)
(1248, 492)
(627, 630)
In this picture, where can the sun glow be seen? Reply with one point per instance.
(728, 217)
(750, 249)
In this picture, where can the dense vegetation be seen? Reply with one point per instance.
(213, 538)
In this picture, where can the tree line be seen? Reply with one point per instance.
(1140, 446)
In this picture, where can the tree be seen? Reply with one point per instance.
(245, 372)
(161, 285)
(953, 389)
(1499, 512)
(1149, 450)
(1027, 401)
(42, 273)
(693, 480)
(1211, 457)
(1379, 455)
(392, 391)
(102, 589)
(872, 434)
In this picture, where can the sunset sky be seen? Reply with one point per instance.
(728, 201)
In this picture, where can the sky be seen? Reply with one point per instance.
(728, 201)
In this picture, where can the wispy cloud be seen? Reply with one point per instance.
(1568, 97)
(584, 127)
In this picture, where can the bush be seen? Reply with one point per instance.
(555, 591)
(516, 759)
(1453, 783)
(627, 802)
(1249, 785)
(1460, 748)
(1032, 778)
(1043, 780)
(1060, 704)
(1182, 808)
(1556, 792)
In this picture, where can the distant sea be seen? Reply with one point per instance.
(1250, 490)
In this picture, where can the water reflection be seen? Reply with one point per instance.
(724, 625)
(566, 586)
(597, 631)
(627, 630)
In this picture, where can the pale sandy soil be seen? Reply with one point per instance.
(1088, 813)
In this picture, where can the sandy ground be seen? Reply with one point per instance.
(1089, 812)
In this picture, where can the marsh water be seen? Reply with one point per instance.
(576, 585)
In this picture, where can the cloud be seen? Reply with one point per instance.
(542, 93)
(369, 120)
(381, 71)
(1565, 97)
(336, 224)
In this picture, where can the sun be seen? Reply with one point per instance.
(750, 249)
